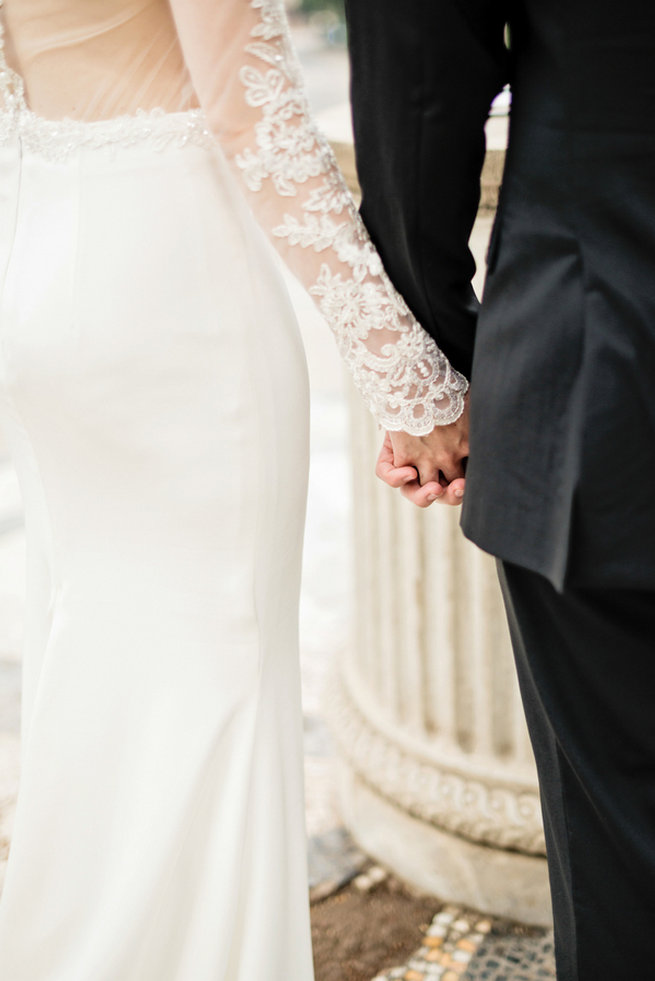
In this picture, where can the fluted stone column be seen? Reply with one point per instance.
(437, 775)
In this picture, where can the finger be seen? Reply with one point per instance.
(428, 471)
(386, 450)
(387, 470)
(422, 495)
(445, 468)
(453, 470)
(394, 476)
(454, 493)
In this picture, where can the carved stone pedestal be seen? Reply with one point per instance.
(437, 775)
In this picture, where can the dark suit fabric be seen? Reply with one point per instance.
(561, 474)
(593, 734)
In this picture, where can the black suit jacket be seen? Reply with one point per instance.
(561, 354)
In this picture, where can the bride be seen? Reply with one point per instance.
(154, 396)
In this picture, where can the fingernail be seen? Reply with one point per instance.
(459, 492)
(432, 497)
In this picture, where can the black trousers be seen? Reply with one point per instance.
(586, 667)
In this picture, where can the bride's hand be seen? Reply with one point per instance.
(427, 468)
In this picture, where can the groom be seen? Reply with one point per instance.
(560, 481)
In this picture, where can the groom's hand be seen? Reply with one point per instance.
(427, 468)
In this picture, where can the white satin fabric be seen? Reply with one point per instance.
(154, 394)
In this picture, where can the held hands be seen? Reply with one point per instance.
(427, 468)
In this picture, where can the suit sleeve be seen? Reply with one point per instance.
(424, 74)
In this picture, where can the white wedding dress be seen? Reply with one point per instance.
(154, 396)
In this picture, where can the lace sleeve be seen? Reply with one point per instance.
(247, 79)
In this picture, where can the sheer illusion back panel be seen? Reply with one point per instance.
(97, 59)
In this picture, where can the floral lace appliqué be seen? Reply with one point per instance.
(403, 376)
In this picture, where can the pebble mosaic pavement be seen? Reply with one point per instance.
(507, 958)
(460, 946)
(448, 946)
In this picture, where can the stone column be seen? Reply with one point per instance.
(437, 778)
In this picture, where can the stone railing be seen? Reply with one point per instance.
(437, 778)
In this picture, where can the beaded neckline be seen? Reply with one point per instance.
(57, 139)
